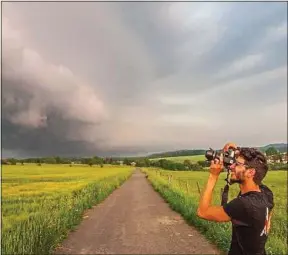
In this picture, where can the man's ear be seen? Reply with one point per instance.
(251, 172)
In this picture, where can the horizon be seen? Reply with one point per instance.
(103, 78)
(134, 156)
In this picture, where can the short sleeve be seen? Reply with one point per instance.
(236, 210)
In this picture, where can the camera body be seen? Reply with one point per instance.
(229, 156)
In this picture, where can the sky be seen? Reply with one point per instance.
(119, 79)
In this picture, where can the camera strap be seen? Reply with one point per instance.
(225, 191)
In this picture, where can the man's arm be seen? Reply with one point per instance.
(205, 210)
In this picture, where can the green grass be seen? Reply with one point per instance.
(41, 204)
(181, 159)
(183, 196)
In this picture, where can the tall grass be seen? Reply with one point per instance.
(41, 204)
(181, 192)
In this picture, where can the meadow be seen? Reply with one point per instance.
(181, 159)
(180, 190)
(41, 204)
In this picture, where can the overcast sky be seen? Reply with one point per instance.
(134, 78)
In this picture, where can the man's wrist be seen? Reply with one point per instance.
(214, 176)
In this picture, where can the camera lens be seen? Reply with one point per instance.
(210, 155)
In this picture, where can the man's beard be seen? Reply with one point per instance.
(238, 179)
(233, 181)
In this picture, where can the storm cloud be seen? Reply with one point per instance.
(135, 78)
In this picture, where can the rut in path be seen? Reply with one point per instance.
(135, 219)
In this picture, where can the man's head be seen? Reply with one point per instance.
(251, 165)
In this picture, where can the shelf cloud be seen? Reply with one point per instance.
(132, 78)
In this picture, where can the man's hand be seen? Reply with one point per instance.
(229, 145)
(205, 210)
(216, 166)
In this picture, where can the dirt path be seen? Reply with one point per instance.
(134, 219)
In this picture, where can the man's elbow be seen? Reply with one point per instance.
(200, 214)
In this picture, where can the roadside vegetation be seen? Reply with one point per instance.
(41, 204)
(181, 190)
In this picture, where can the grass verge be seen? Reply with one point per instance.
(181, 194)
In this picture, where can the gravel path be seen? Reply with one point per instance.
(134, 219)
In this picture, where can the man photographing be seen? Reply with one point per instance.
(250, 212)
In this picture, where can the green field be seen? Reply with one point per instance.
(40, 204)
(180, 159)
(180, 190)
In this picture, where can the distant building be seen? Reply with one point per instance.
(281, 158)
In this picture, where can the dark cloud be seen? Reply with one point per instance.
(117, 78)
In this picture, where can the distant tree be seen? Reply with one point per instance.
(139, 163)
(126, 161)
(29, 160)
(203, 163)
(164, 163)
(271, 151)
(85, 161)
(187, 162)
(96, 160)
(50, 160)
(58, 160)
(147, 162)
(38, 161)
(196, 167)
(12, 161)
(179, 166)
(90, 162)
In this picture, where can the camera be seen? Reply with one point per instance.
(228, 156)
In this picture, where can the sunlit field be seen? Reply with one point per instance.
(181, 191)
(181, 159)
(40, 204)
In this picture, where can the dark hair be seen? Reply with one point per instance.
(257, 160)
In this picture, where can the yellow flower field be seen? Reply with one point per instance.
(40, 204)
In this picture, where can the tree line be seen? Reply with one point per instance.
(139, 162)
(187, 165)
(58, 160)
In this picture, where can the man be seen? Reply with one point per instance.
(250, 212)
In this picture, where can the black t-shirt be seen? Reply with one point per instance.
(249, 214)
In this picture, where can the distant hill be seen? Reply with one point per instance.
(282, 147)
